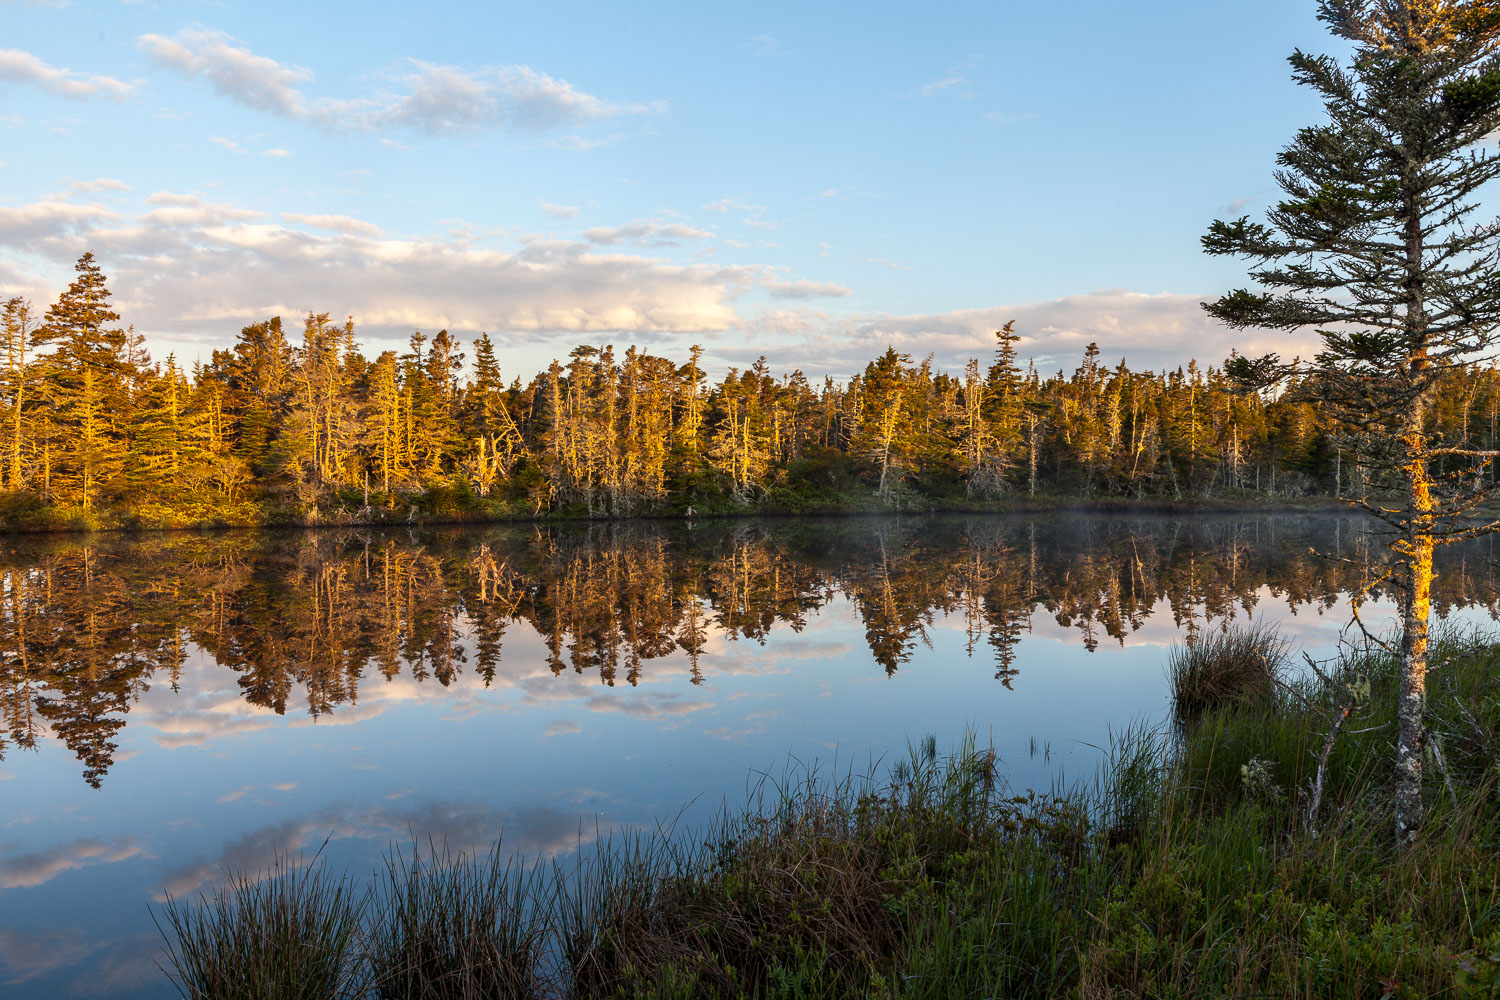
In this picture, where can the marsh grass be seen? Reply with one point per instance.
(289, 933)
(1233, 666)
(1187, 868)
(453, 927)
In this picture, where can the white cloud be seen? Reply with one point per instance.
(232, 71)
(172, 198)
(23, 67)
(1151, 331)
(806, 289)
(938, 86)
(191, 271)
(424, 97)
(99, 184)
(190, 211)
(336, 223)
(48, 219)
(277, 153)
(228, 144)
(559, 211)
(646, 232)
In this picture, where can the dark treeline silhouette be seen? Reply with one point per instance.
(304, 428)
(306, 619)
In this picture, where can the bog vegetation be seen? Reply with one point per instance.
(1247, 855)
(291, 428)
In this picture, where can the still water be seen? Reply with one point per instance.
(179, 705)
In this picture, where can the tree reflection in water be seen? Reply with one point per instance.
(87, 624)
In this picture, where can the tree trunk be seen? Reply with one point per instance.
(1411, 730)
(1417, 548)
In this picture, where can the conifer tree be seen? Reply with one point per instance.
(89, 370)
(1373, 247)
(16, 326)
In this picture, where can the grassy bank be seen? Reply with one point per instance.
(1195, 865)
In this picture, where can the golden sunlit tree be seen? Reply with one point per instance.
(1374, 247)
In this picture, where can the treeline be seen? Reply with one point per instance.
(307, 428)
(308, 621)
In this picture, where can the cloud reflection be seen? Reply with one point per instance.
(26, 871)
(530, 831)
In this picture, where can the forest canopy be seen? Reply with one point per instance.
(289, 426)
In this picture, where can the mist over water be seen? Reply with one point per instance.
(178, 705)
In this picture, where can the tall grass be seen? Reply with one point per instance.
(446, 927)
(1234, 666)
(1189, 868)
(290, 933)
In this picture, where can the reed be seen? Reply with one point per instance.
(453, 927)
(288, 933)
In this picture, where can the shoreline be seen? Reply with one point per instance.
(108, 520)
(1225, 857)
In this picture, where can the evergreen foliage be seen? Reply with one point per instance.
(277, 429)
(1375, 247)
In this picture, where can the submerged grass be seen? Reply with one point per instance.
(1193, 866)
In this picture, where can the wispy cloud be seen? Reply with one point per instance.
(423, 97)
(954, 81)
(938, 86)
(559, 211)
(21, 67)
(335, 223)
(766, 46)
(1007, 117)
(646, 232)
(99, 184)
(1237, 207)
(806, 290)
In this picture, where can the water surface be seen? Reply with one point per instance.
(176, 705)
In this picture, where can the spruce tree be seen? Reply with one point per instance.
(89, 371)
(1373, 246)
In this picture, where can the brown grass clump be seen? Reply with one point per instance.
(1223, 668)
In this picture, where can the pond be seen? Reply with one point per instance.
(179, 705)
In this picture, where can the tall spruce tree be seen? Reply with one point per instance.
(88, 374)
(1373, 246)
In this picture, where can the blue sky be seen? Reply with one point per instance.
(806, 183)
